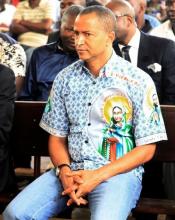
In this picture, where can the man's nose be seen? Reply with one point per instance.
(79, 40)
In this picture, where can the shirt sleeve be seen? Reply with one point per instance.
(55, 119)
(147, 120)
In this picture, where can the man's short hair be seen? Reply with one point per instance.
(72, 11)
(104, 15)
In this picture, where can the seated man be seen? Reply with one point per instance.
(32, 22)
(101, 103)
(64, 5)
(48, 60)
(7, 98)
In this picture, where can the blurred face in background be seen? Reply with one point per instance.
(67, 33)
(170, 4)
(34, 3)
(64, 4)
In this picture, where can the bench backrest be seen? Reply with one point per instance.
(29, 138)
(165, 151)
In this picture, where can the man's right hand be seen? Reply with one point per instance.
(71, 182)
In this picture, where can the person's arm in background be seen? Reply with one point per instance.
(43, 27)
(18, 64)
(29, 90)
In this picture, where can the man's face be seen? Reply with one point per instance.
(64, 4)
(34, 3)
(91, 39)
(67, 33)
(121, 22)
(170, 4)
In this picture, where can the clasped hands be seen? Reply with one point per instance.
(78, 184)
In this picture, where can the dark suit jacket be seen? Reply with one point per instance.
(162, 51)
(7, 97)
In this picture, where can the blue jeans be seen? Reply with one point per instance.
(112, 199)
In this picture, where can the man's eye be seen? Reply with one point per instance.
(76, 33)
(87, 34)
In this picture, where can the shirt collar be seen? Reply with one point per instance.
(106, 69)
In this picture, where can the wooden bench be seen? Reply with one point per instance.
(29, 139)
(165, 152)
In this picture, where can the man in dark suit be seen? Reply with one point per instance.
(156, 57)
(7, 97)
(152, 54)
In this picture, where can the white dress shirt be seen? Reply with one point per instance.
(134, 43)
(164, 30)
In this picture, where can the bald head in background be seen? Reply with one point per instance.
(125, 20)
(139, 8)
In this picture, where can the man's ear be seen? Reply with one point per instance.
(112, 36)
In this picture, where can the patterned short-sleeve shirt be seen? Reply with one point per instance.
(103, 117)
(12, 55)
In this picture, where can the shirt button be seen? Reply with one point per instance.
(94, 83)
(86, 142)
(89, 104)
(89, 124)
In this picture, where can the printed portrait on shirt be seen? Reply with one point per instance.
(116, 137)
(152, 107)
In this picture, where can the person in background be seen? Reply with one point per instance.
(49, 59)
(80, 106)
(32, 22)
(7, 100)
(64, 4)
(157, 8)
(167, 28)
(144, 21)
(45, 64)
(13, 55)
(154, 55)
(6, 15)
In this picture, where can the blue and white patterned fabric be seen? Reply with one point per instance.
(103, 117)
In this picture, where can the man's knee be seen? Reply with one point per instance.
(12, 214)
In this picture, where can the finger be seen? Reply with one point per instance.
(79, 193)
(70, 202)
(74, 198)
(70, 189)
(78, 179)
(74, 173)
(83, 201)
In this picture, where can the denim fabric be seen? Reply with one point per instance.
(112, 199)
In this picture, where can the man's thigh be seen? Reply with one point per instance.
(40, 200)
(115, 198)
